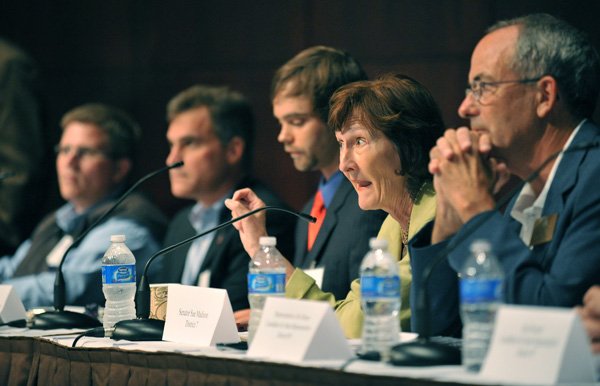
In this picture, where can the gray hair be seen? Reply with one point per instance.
(549, 46)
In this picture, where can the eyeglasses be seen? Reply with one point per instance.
(480, 89)
(80, 152)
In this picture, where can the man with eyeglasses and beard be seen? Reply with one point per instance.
(534, 84)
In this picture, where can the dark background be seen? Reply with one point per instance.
(137, 54)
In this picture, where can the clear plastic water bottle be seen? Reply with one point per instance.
(481, 282)
(118, 282)
(380, 294)
(266, 277)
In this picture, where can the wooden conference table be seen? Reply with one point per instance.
(42, 361)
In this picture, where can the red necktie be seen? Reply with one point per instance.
(318, 210)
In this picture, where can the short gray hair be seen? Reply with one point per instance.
(550, 46)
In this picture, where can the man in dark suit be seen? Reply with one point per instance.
(331, 250)
(534, 83)
(300, 92)
(211, 130)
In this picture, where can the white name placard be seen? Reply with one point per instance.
(11, 306)
(298, 330)
(198, 315)
(539, 345)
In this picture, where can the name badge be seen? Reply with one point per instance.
(56, 254)
(543, 229)
(316, 274)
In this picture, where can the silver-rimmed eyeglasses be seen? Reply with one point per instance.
(480, 89)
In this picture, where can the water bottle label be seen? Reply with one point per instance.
(266, 283)
(480, 290)
(118, 274)
(380, 287)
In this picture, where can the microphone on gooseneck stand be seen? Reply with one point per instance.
(147, 329)
(426, 352)
(59, 318)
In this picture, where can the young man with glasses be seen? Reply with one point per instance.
(534, 84)
(93, 161)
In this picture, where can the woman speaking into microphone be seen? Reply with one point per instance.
(385, 129)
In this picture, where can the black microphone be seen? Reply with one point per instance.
(144, 329)
(426, 352)
(7, 174)
(18, 323)
(66, 319)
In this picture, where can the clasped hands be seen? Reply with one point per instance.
(464, 177)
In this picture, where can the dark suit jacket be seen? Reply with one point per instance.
(342, 242)
(555, 273)
(226, 258)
